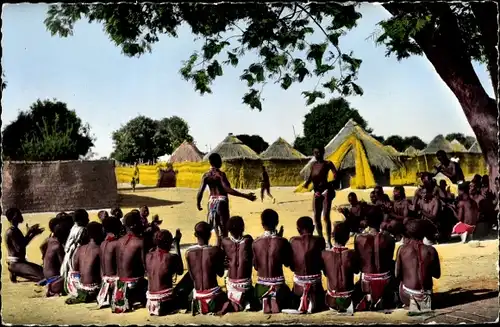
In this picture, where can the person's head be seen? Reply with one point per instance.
(319, 153)
(497, 183)
(133, 222)
(102, 214)
(426, 178)
(399, 193)
(117, 212)
(415, 229)
(61, 232)
(374, 219)
(236, 226)
(202, 232)
(385, 198)
(396, 228)
(341, 233)
(442, 184)
(144, 211)
(477, 180)
(427, 193)
(14, 216)
(95, 232)
(352, 198)
(81, 217)
(305, 225)
(61, 214)
(269, 219)
(485, 181)
(442, 157)
(215, 160)
(463, 190)
(263, 168)
(379, 191)
(112, 225)
(373, 197)
(53, 223)
(163, 239)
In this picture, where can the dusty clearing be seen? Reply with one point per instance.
(469, 274)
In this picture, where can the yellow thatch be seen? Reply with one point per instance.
(457, 146)
(393, 152)
(231, 148)
(411, 151)
(475, 148)
(186, 152)
(354, 148)
(438, 143)
(281, 150)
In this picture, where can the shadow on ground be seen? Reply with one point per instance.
(137, 200)
(458, 296)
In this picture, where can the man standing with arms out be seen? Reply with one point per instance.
(270, 253)
(205, 263)
(265, 185)
(376, 251)
(218, 204)
(306, 265)
(340, 264)
(416, 265)
(324, 191)
(449, 168)
(238, 250)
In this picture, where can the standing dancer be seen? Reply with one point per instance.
(265, 185)
(218, 204)
(324, 191)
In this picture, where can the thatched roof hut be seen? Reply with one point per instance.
(281, 150)
(475, 148)
(411, 151)
(392, 151)
(438, 143)
(232, 148)
(186, 152)
(342, 151)
(457, 146)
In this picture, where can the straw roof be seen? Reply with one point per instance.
(186, 152)
(411, 151)
(281, 150)
(438, 143)
(232, 148)
(475, 148)
(377, 155)
(457, 146)
(392, 151)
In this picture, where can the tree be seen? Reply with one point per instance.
(402, 143)
(466, 141)
(379, 138)
(254, 142)
(324, 121)
(450, 35)
(145, 139)
(415, 142)
(47, 131)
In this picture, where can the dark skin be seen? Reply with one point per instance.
(205, 264)
(401, 207)
(219, 185)
(355, 214)
(108, 255)
(130, 256)
(265, 184)
(87, 262)
(412, 274)
(364, 247)
(270, 254)
(162, 265)
(429, 205)
(52, 261)
(339, 269)
(467, 210)
(449, 168)
(319, 178)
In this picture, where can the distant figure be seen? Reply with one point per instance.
(449, 168)
(467, 213)
(218, 203)
(133, 183)
(324, 191)
(265, 185)
(416, 265)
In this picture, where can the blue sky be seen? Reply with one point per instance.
(107, 89)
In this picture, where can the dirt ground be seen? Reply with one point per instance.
(469, 271)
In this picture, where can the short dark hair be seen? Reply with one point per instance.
(117, 212)
(401, 190)
(341, 233)
(81, 217)
(61, 232)
(320, 148)
(95, 231)
(111, 225)
(269, 219)
(203, 230)
(102, 214)
(305, 224)
(464, 187)
(133, 221)
(416, 229)
(441, 153)
(396, 227)
(12, 213)
(236, 225)
(163, 239)
(215, 160)
(53, 223)
(353, 195)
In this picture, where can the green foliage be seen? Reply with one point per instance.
(466, 141)
(47, 131)
(254, 142)
(145, 139)
(277, 32)
(324, 121)
(402, 143)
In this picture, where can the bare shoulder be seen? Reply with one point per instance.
(248, 238)
(294, 239)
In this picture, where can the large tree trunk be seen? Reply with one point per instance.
(445, 50)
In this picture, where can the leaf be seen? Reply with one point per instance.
(331, 84)
(316, 52)
(252, 99)
(311, 97)
(233, 59)
(258, 71)
(301, 73)
(201, 81)
(323, 69)
(286, 82)
(248, 77)
(357, 89)
(214, 70)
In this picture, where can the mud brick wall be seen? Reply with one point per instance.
(54, 186)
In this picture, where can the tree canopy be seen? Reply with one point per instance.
(145, 139)
(47, 131)
(466, 141)
(324, 121)
(402, 143)
(254, 142)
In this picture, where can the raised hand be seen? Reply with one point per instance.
(251, 196)
(280, 233)
(178, 235)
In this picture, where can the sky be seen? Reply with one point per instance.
(106, 88)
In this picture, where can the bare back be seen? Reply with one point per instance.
(240, 257)
(306, 252)
(130, 256)
(161, 267)
(468, 211)
(54, 256)
(417, 264)
(214, 179)
(376, 252)
(204, 265)
(87, 262)
(270, 254)
(108, 257)
(339, 268)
